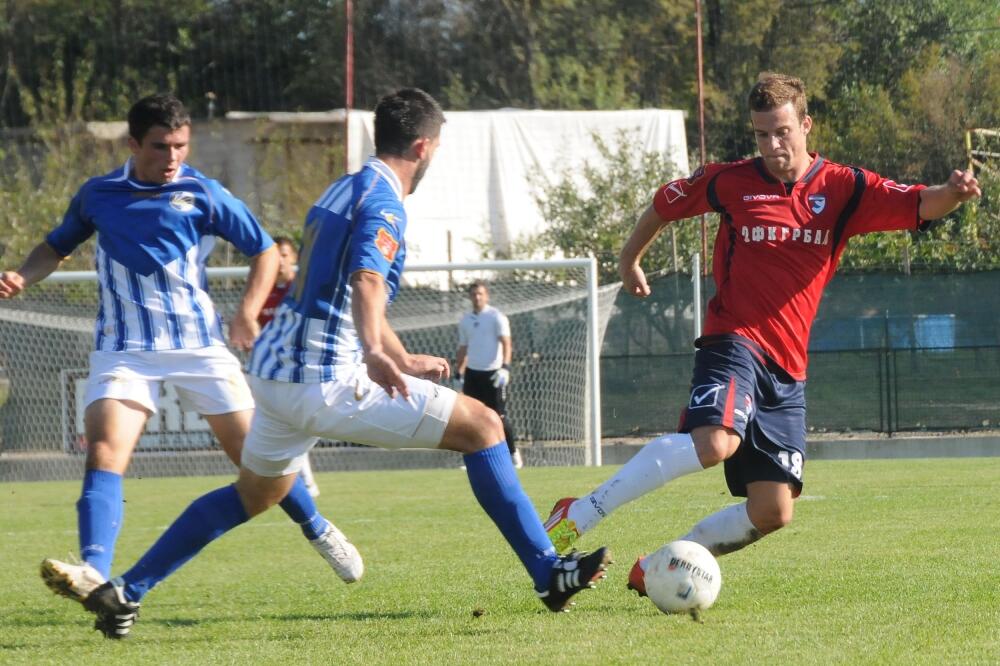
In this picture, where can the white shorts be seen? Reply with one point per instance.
(290, 418)
(208, 380)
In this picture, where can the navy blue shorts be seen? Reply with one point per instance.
(736, 385)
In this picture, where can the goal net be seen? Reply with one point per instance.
(557, 315)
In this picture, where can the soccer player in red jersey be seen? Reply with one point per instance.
(785, 219)
(288, 258)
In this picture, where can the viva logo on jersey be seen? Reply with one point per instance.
(817, 202)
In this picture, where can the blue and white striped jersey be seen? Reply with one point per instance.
(358, 224)
(152, 245)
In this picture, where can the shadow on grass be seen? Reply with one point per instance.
(291, 617)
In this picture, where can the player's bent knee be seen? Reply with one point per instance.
(473, 427)
(260, 493)
(714, 444)
(770, 518)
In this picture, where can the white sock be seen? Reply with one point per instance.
(725, 531)
(661, 460)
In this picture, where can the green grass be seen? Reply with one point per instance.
(886, 562)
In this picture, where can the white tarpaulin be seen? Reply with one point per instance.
(483, 180)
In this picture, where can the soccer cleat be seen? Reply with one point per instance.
(115, 614)
(572, 573)
(73, 581)
(562, 531)
(340, 553)
(637, 578)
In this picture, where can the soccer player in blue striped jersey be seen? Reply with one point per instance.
(156, 220)
(329, 366)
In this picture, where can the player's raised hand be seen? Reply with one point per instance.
(11, 284)
(383, 371)
(634, 280)
(963, 185)
(429, 367)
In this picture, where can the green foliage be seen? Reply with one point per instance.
(592, 208)
(892, 85)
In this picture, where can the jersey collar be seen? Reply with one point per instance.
(390, 176)
(814, 168)
(126, 175)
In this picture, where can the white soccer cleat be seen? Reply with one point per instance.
(340, 553)
(73, 581)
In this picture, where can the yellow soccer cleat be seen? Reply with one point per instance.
(562, 531)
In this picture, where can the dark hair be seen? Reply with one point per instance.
(403, 117)
(285, 240)
(773, 90)
(161, 109)
(476, 284)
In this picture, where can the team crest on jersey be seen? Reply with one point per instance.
(817, 202)
(386, 244)
(182, 201)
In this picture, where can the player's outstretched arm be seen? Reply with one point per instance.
(243, 329)
(939, 200)
(41, 261)
(646, 230)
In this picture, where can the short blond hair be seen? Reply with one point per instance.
(774, 90)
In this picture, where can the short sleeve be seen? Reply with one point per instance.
(377, 238)
(503, 325)
(233, 221)
(885, 205)
(686, 197)
(463, 335)
(74, 230)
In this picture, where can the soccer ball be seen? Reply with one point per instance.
(682, 577)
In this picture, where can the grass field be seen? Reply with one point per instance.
(886, 562)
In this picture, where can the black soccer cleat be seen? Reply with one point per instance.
(571, 573)
(115, 614)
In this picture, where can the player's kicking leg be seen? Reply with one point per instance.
(769, 507)
(476, 431)
(332, 545)
(658, 462)
(112, 430)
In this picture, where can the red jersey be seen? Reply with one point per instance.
(272, 302)
(778, 245)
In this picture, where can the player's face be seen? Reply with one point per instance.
(160, 154)
(781, 140)
(479, 298)
(430, 147)
(287, 258)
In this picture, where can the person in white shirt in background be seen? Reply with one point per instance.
(483, 359)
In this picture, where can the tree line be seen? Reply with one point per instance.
(893, 85)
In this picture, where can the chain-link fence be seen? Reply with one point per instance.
(888, 353)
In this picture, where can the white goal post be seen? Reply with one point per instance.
(558, 316)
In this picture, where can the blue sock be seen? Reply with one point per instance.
(99, 518)
(301, 508)
(496, 486)
(207, 518)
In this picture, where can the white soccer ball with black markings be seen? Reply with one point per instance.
(682, 577)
